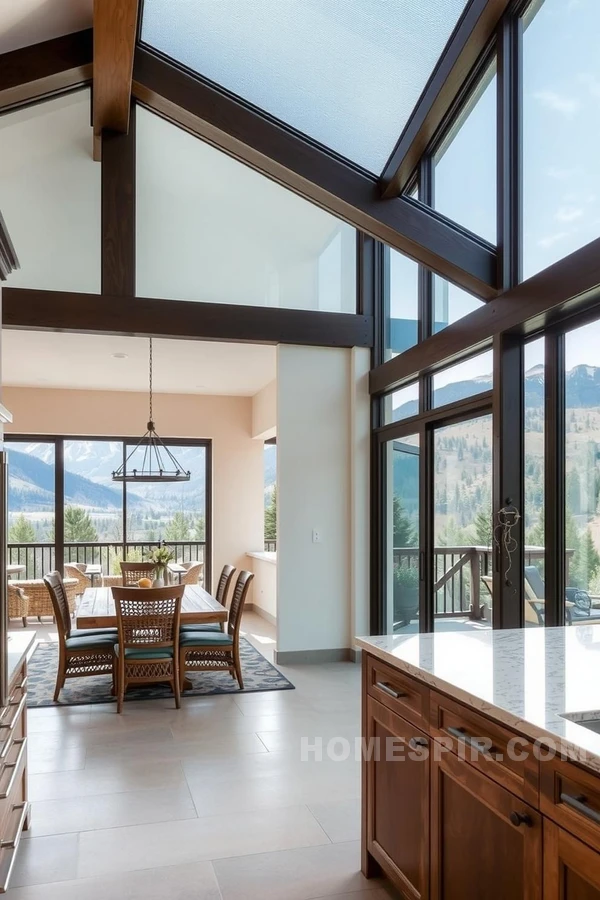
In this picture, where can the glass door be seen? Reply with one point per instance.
(462, 524)
(403, 558)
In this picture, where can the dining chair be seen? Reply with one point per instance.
(225, 580)
(133, 571)
(87, 652)
(203, 651)
(148, 623)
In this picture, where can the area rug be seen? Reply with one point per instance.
(258, 673)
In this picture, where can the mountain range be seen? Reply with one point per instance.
(582, 386)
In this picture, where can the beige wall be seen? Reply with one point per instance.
(264, 412)
(227, 421)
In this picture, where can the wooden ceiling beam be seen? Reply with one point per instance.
(471, 37)
(565, 288)
(42, 70)
(37, 310)
(115, 29)
(327, 181)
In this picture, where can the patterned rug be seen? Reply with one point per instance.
(259, 675)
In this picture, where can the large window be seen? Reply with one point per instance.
(402, 527)
(534, 471)
(103, 522)
(401, 303)
(561, 130)
(465, 164)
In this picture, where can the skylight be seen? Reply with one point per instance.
(347, 73)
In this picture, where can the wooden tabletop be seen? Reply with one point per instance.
(97, 608)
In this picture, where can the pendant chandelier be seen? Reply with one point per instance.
(158, 463)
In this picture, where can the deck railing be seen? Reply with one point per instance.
(39, 559)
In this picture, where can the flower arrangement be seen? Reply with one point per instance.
(161, 557)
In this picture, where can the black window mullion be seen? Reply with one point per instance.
(554, 481)
(59, 504)
(426, 528)
(124, 505)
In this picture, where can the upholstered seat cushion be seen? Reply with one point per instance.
(205, 639)
(91, 632)
(91, 642)
(210, 626)
(146, 653)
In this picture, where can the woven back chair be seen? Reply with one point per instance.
(215, 650)
(72, 570)
(133, 571)
(192, 576)
(148, 624)
(225, 579)
(80, 653)
(18, 603)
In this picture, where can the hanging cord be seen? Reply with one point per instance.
(151, 420)
(507, 517)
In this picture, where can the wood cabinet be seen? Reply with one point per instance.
(399, 843)
(449, 813)
(485, 842)
(571, 868)
(14, 807)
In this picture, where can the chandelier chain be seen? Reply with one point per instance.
(150, 380)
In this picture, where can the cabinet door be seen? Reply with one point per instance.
(486, 844)
(571, 868)
(397, 799)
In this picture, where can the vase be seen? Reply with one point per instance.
(159, 579)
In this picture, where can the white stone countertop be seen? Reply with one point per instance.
(264, 555)
(522, 678)
(19, 644)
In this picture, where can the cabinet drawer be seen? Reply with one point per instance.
(11, 836)
(571, 797)
(497, 752)
(400, 693)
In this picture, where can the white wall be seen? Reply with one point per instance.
(264, 595)
(264, 412)
(322, 476)
(50, 194)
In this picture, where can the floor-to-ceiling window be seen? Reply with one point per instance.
(65, 507)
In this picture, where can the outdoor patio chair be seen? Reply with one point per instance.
(80, 653)
(577, 602)
(202, 651)
(73, 570)
(148, 649)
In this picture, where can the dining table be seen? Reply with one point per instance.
(97, 608)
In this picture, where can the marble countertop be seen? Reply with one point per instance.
(19, 645)
(523, 678)
(264, 555)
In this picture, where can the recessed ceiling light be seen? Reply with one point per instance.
(119, 356)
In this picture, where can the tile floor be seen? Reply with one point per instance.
(212, 802)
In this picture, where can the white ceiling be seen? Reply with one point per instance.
(25, 22)
(84, 361)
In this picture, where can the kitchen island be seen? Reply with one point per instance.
(481, 763)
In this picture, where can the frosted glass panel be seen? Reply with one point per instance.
(211, 229)
(345, 72)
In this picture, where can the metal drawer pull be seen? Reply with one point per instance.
(459, 733)
(518, 818)
(580, 804)
(416, 742)
(15, 769)
(387, 689)
(16, 715)
(8, 860)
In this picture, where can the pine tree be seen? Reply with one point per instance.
(178, 529)
(79, 526)
(271, 518)
(483, 529)
(21, 531)
(199, 529)
(404, 532)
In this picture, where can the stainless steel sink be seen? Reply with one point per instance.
(589, 720)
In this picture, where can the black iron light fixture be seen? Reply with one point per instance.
(158, 464)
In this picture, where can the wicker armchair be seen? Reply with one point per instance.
(193, 574)
(40, 602)
(72, 570)
(18, 603)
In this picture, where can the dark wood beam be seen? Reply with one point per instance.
(567, 287)
(115, 29)
(44, 69)
(471, 36)
(118, 212)
(286, 157)
(143, 317)
(8, 257)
